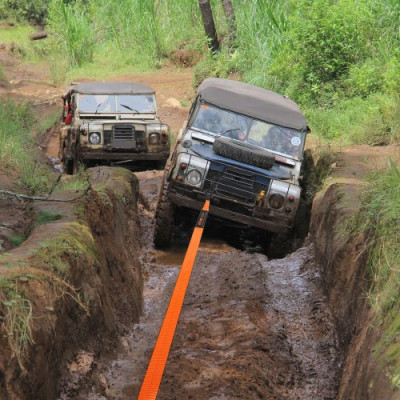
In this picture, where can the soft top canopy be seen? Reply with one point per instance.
(110, 88)
(252, 101)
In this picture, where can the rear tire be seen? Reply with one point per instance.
(165, 215)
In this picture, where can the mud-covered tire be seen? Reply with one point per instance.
(165, 214)
(279, 245)
(160, 165)
(243, 152)
(70, 166)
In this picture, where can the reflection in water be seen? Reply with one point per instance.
(176, 253)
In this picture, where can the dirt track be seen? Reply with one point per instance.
(250, 328)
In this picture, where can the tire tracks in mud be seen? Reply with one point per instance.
(253, 328)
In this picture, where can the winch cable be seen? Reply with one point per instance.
(155, 369)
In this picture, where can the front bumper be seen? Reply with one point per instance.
(108, 155)
(272, 223)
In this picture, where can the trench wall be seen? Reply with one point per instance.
(344, 262)
(82, 280)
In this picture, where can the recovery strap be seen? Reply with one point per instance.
(155, 369)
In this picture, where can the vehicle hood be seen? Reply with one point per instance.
(206, 151)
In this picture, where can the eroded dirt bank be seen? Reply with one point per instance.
(75, 280)
(345, 275)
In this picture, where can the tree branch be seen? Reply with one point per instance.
(21, 196)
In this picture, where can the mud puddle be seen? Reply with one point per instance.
(250, 328)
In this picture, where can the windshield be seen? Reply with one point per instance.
(111, 103)
(219, 122)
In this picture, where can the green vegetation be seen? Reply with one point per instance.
(75, 241)
(340, 59)
(22, 10)
(380, 219)
(18, 316)
(17, 147)
(118, 35)
(16, 240)
(45, 217)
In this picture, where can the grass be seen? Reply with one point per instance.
(18, 317)
(374, 121)
(17, 34)
(17, 240)
(75, 241)
(18, 312)
(45, 217)
(18, 151)
(380, 219)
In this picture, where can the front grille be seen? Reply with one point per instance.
(237, 183)
(234, 183)
(123, 132)
(107, 137)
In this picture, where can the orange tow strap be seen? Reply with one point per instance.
(155, 370)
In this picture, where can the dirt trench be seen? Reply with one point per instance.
(250, 327)
(253, 328)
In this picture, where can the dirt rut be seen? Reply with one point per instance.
(250, 327)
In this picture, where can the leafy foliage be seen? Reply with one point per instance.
(22, 10)
(16, 144)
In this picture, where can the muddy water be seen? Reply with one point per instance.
(250, 328)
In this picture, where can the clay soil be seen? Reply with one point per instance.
(251, 327)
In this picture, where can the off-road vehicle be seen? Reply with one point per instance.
(242, 147)
(113, 122)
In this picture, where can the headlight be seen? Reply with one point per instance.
(276, 201)
(154, 138)
(94, 138)
(160, 128)
(193, 177)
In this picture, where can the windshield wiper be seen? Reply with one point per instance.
(97, 108)
(130, 108)
(228, 130)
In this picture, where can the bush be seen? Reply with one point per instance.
(23, 10)
(374, 120)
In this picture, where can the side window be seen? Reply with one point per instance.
(192, 110)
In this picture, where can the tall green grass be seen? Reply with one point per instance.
(374, 120)
(380, 219)
(120, 35)
(18, 150)
(73, 31)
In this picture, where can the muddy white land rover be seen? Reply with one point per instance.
(242, 147)
(112, 122)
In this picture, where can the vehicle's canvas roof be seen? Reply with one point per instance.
(253, 101)
(111, 88)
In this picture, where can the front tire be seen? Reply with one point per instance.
(71, 166)
(165, 215)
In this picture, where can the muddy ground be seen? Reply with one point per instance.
(251, 327)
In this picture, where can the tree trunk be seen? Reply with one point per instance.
(209, 26)
(230, 17)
